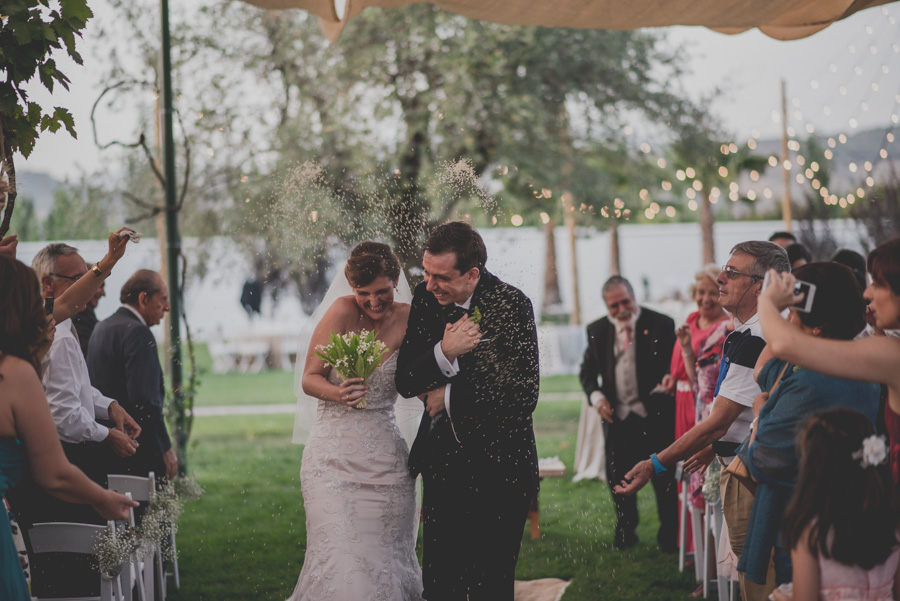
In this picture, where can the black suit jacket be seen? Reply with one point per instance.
(654, 339)
(493, 395)
(123, 362)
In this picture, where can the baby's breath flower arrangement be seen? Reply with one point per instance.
(187, 488)
(112, 551)
(157, 525)
(161, 520)
(353, 355)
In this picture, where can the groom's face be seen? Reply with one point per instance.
(444, 280)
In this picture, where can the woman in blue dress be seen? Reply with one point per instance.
(27, 433)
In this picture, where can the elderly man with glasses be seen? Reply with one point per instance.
(731, 417)
(77, 407)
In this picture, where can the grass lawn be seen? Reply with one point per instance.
(245, 538)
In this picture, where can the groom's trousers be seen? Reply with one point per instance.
(472, 533)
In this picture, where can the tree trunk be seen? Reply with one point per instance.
(706, 228)
(551, 276)
(8, 167)
(408, 215)
(569, 216)
(615, 267)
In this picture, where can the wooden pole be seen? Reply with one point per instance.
(785, 157)
(173, 238)
(569, 219)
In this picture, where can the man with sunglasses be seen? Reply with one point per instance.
(730, 419)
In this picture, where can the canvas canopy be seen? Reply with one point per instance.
(780, 19)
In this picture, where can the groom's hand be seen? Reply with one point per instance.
(434, 401)
(460, 338)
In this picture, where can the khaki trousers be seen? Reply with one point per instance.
(737, 499)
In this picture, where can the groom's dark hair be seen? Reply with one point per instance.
(462, 240)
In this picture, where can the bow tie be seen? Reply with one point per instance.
(453, 312)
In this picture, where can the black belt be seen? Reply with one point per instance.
(725, 449)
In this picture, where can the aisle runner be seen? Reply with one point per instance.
(545, 589)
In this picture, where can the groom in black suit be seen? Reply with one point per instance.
(123, 362)
(475, 447)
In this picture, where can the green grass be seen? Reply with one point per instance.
(267, 387)
(245, 538)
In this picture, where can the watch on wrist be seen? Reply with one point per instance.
(96, 270)
(658, 467)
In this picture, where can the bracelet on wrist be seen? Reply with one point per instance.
(658, 467)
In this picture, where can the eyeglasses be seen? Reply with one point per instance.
(71, 278)
(733, 273)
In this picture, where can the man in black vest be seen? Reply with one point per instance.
(628, 354)
(471, 352)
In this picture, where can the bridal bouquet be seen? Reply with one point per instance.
(353, 355)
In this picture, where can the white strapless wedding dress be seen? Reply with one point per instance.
(360, 502)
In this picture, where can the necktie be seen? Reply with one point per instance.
(627, 342)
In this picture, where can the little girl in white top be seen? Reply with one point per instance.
(841, 524)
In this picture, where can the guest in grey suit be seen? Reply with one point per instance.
(124, 364)
(628, 353)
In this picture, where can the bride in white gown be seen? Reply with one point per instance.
(361, 517)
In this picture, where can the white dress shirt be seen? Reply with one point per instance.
(74, 403)
(136, 314)
(449, 369)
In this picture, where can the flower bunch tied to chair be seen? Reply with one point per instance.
(115, 547)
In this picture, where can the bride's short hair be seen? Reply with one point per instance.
(370, 260)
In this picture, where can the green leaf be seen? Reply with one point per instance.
(76, 10)
(65, 117)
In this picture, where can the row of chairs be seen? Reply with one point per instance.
(139, 579)
(705, 533)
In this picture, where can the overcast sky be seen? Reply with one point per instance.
(830, 79)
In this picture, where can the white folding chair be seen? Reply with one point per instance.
(68, 537)
(134, 574)
(142, 490)
(684, 501)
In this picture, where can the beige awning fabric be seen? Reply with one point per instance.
(780, 19)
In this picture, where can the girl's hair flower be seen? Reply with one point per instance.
(874, 451)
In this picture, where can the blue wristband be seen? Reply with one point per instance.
(658, 467)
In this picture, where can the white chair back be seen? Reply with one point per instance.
(67, 537)
(142, 489)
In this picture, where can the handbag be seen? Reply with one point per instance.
(737, 467)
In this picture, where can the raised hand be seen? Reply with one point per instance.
(779, 290)
(460, 338)
(117, 243)
(683, 334)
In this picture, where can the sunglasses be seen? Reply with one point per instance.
(733, 273)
